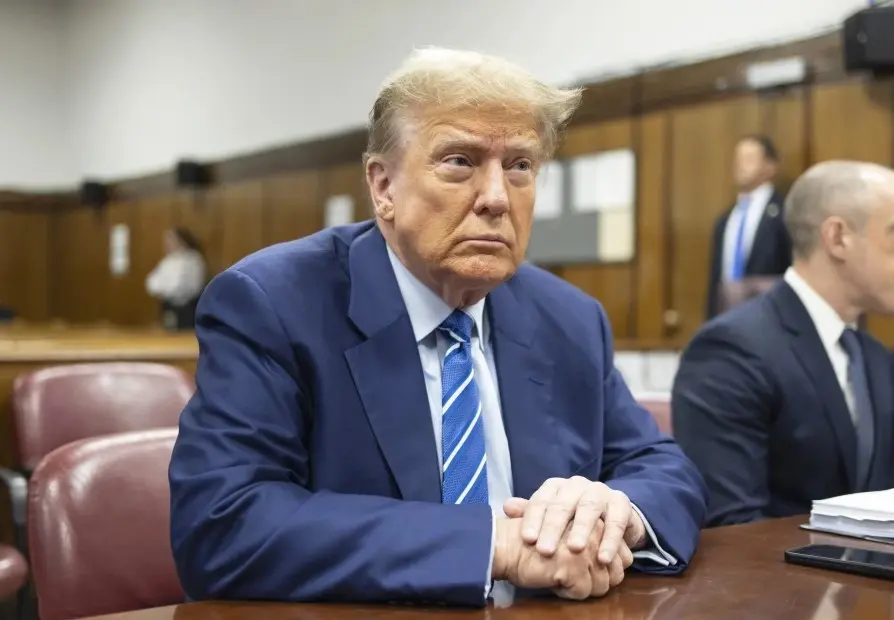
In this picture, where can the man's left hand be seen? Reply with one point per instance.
(583, 503)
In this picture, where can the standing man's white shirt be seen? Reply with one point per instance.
(757, 205)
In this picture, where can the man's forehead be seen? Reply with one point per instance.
(484, 128)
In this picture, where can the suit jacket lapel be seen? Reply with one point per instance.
(388, 373)
(878, 374)
(524, 374)
(816, 364)
(764, 229)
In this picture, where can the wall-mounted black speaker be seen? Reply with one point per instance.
(94, 194)
(868, 40)
(193, 174)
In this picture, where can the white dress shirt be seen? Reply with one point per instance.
(830, 326)
(757, 204)
(178, 278)
(427, 311)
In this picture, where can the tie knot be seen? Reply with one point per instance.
(850, 342)
(458, 326)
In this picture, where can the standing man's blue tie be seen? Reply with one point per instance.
(739, 258)
(464, 459)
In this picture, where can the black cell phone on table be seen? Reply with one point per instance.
(863, 562)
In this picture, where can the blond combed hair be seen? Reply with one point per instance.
(454, 79)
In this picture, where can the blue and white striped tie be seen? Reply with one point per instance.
(464, 459)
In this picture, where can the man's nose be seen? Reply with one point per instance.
(493, 196)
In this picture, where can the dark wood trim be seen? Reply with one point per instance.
(636, 141)
(648, 91)
(669, 225)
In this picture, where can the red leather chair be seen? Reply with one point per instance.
(54, 406)
(98, 526)
(60, 404)
(660, 408)
(13, 572)
(731, 294)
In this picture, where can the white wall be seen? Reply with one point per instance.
(35, 152)
(155, 80)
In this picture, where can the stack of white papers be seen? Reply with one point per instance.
(862, 515)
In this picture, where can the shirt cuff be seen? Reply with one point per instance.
(653, 550)
(489, 582)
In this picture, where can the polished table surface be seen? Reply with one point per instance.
(59, 343)
(738, 572)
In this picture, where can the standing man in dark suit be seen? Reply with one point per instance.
(401, 410)
(784, 400)
(750, 238)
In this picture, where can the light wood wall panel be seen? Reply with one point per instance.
(293, 206)
(56, 266)
(701, 188)
(653, 247)
(24, 263)
(612, 284)
(854, 121)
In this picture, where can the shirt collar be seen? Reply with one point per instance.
(760, 194)
(829, 324)
(425, 308)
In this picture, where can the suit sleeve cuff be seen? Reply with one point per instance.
(488, 581)
(653, 551)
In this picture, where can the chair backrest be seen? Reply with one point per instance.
(98, 526)
(660, 408)
(731, 294)
(54, 406)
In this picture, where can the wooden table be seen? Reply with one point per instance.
(739, 572)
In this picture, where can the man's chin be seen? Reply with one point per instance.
(484, 269)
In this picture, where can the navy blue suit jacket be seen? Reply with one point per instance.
(757, 406)
(771, 250)
(306, 468)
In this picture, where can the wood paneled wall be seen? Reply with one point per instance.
(684, 153)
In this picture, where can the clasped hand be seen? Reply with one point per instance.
(573, 536)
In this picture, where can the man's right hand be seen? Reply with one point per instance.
(570, 575)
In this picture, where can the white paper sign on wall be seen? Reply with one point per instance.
(550, 194)
(119, 249)
(339, 210)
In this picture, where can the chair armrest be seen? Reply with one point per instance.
(18, 494)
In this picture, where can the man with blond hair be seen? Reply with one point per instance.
(785, 400)
(400, 410)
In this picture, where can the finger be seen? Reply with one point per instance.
(590, 509)
(636, 531)
(617, 516)
(616, 570)
(573, 583)
(600, 581)
(626, 556)
(559, 513)
(514, 507)
(536, 509)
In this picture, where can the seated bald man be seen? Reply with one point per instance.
(785, 400)
(402, 410)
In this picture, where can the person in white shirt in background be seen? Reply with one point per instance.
(178, 279)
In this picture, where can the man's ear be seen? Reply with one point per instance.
(836, 236)
(378, 178)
